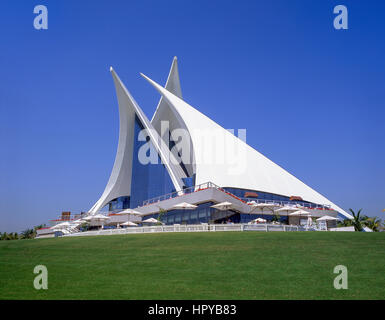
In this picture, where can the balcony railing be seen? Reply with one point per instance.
(175, 194)
(207, 185)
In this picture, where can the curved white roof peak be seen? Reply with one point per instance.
(119, 183)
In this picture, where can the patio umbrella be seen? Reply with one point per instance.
(263, 206)
(223, 206)
(287, 209)
(129, 223)
(150, 220)
(184, 206)
(259, 220)
(97, 218)
(129, 211)
(300, 213)
(324, 218)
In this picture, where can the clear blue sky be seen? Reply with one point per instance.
(311, 97)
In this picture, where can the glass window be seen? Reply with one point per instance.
(148, 180)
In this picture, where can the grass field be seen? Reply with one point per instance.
(217, 265)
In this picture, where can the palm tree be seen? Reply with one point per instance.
(373, 223)
(356, 220)
(28, 234)
(5, 236)
(345, 223)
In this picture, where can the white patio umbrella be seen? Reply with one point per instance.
(300, 213)
(260, 220)
(184, 206)
(223, 206)
(324, 218)
(129, 211)
(263, 206)
(286, 209)
(150, 220)
(129, 223)
(97, 218)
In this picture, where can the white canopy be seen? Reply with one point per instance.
(324, 218)
(184, 205)
(223, 206)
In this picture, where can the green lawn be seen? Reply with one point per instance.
(216, 265)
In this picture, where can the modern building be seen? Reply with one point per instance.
(181, 155)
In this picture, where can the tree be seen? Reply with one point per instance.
(161, 214)
(373, 223)
(345, 223)
(276, 217)
(28, 234)
(5, 236)
(39, 226)
(356, 220)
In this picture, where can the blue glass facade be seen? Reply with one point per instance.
(202, 214)
(148, 180)
(240, 193)
(205, 214)
(119, 203)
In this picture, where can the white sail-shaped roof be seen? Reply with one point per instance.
(119, 183)
(230, 162)
(170, 117)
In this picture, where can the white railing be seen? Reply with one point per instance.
(175, 194)
(213, 185)
(194, 228)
